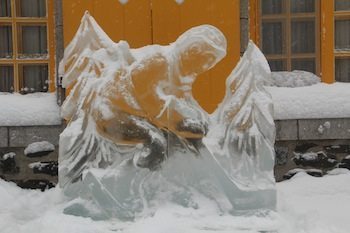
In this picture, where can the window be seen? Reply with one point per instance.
(342, 40)
(289, 34)
(24, 46)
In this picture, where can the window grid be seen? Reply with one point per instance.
(287, 17)
(341, 55)
(17, 60)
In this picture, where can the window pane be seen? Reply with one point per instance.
(342, 5)
(342, 34)
(271, 7)
(342, 70)
(304, 64)
(5, 41)
(272, 37)
(303, 37)
(278, 65)
(6, 78)
(33, 43)
(31, 8)
(34, 78)
(302, 6)
(5, 8)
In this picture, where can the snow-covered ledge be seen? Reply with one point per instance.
(316, 112)
(29, 118)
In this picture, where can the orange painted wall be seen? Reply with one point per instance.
(143, 22)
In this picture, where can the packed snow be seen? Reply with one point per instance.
(311, 102)
(30, 109)
(39, 147)
(306, 204)
(9, 155)
(295, 78)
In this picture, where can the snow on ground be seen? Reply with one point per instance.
(30, 109)
(311, 102)
(306, 204)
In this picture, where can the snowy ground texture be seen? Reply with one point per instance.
(306, 204)
(30, 109)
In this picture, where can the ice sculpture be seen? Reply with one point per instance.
(136, 138)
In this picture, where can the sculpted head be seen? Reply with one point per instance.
(199, 49)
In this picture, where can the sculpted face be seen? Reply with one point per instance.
(199, 49)
(196, 59)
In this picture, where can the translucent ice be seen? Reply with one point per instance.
(136, 138)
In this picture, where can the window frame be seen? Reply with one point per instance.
(16, 22)
(338, 53)
(287, 17)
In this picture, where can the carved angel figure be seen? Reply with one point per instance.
(134, 127)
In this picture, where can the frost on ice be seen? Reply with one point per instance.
(137, 139)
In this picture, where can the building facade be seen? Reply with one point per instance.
(311, 35)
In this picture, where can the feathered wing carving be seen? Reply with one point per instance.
(136, 135)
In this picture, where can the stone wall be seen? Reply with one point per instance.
(36, 170)
(313, 146)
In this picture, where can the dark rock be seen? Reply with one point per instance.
(311, 172)
(8, 164)
(337, 149)
(345, 163)
(39, 149)
(281, 155)
(50, 168)
(35, 184)
(312, 159)
(314, 172)
(292, 173)
(346, 160)
(39, 154)
(304, 147)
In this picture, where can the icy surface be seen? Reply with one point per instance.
(134, 137)
(30, 109)
(242, 133)
(123, 1)
(39, 147)
(179, 1)
(305, 205)
(312, 102)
